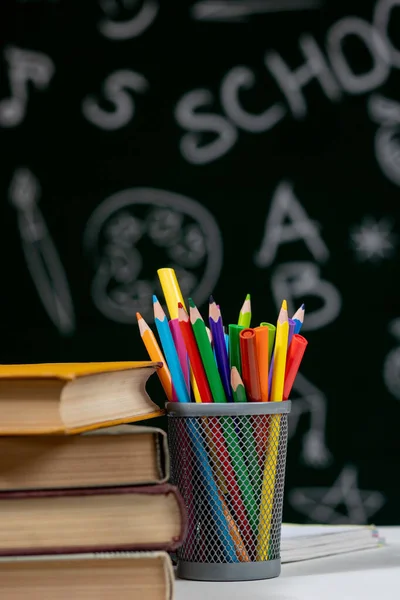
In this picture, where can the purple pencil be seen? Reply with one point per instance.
(221, 354)
(292, 325)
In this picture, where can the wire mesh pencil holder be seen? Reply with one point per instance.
(228, 462)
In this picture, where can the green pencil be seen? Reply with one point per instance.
(206, 353)
(239, 395)
(245, 313)
(234, 346)
(271, 338)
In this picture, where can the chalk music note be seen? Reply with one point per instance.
(132, 26)
(40, 253)
(24, 67)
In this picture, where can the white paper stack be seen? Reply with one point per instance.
(305, 542)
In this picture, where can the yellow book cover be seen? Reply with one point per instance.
(53, 398)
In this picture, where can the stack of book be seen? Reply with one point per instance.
(86, 510)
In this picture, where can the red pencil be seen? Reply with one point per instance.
(294, 357)
(194, 355)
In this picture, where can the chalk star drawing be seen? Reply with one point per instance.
(320, 504)
(373, 240)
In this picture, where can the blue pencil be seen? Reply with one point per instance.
(221, 527)
(171, 355)
(298, 318)
(227, 342)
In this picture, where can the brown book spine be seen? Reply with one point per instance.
(163, 488)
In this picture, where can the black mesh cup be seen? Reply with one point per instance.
(228, 462)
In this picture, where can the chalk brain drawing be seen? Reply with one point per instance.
(136, 231)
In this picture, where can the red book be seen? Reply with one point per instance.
(92, 520)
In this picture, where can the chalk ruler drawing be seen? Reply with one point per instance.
(331, 66)
(373, 240)
(241, 10)
(288, 222)
(322, 504)
(121, 231)
(26, 70)
(391, 365)
(310, 402)
(40, 253)
(116, 88)
(386, 113)
(127, 19)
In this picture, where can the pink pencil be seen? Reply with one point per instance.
(180, 349)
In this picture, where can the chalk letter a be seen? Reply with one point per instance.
(286, 207)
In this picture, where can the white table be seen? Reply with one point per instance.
(365, 575)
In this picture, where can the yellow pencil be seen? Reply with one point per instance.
(171, 290)
(268, 487)
(280, 352)
(173, 295)
(155, 354)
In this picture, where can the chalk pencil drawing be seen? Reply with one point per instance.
(126, 19)
(122, 230)
(373, 239)
(116, 88)
(40, 252)
(323, 504)
(27, 70)
(309, 402)
(242, 10)
(391, 365)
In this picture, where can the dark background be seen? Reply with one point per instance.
(344, 450)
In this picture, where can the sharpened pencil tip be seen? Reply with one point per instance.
(211, 300)
(248, 297)
(284, 304)
(155, 299)
(191, 303)
(303, 306)
(138, 316)
(180, 305)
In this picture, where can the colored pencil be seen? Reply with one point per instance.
(268, 487)
(221, 355)
(294, 358)
(181, 350)
(227, 343)
(298, 318)
(155, 354)
(280, 351)
(240, 548)
(248, 434)
(171, 355)
(194, 355)
(292, 325)
(206, 353)
(225, 471)
(262, 348)
(250, 370)
(245, 313)
(239, 392)
(171, 290)
(173, 295)
(234, 347)
(221, 527)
